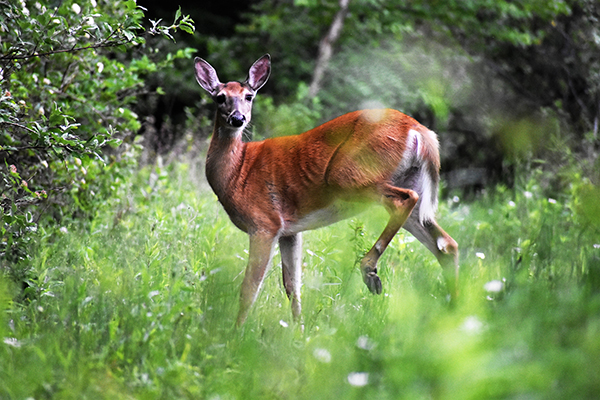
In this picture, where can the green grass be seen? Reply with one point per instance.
(141, 305)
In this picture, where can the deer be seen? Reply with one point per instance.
(277, 188)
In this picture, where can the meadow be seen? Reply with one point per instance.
(140, 303)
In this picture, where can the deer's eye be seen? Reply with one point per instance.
(220, 99)
(249, 97)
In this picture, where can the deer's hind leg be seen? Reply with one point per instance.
(399, 203)
(291, 266)
(441, 245)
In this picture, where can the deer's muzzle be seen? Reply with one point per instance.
(236, 119)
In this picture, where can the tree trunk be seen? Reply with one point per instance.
(326, 46)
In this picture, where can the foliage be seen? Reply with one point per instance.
(370, 23)
(141, 304)
(272, 120)
(484, 75)
(70, 76)
(546, 51)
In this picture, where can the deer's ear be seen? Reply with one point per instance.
(206, 76)
(259, 72)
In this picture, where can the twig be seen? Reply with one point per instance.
(70, 50)
(18, 126)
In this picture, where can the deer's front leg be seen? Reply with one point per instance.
(259, 258)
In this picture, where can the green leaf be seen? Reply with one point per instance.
(187, 28)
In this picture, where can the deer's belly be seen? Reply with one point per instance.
(331, 214)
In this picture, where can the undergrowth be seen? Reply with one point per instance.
(141, 304)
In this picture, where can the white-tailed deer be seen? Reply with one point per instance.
(277, 188)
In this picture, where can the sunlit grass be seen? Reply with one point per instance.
(142, 304)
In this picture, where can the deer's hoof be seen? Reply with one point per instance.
(373, 282)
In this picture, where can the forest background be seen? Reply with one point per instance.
(99, 111)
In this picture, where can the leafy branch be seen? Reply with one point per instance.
(69, 50)
(185, 23)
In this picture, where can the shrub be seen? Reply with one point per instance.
(69, 79)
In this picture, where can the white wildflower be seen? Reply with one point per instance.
(12, 342)
(76, 9)
(365, 343)
(358, 379)
(480, 255)
(472, 324)
(494, 286)
(322, 355)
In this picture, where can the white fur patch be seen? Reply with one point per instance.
(413, 147)
(442, 244)
(427, 197)
(428, 201)
(414, 139)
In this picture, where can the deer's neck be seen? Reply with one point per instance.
(224, 159)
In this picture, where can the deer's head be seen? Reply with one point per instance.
(233, 99)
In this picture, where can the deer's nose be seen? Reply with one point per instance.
(236, 119)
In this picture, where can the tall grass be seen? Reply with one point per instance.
(141, 305)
